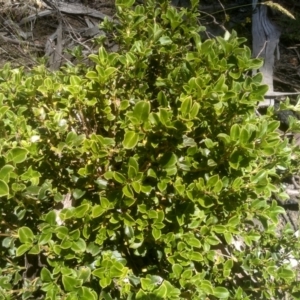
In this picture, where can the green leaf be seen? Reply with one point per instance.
(17, 155)
(109, 71)
(136, 186)
(162, 186)
(165, 40)
(164, 116)
(156, 233)
(187, 274)
(25, 235)
(141, 110)
(77, 194)
(224, 137)
(207, 287)
(5, 171)
(75, 80)
(161, 291)
(36, 249)
(233, 221)
(66, 244)
(128, 220)
(146, 284)
(92, 75)
(177, 270)
(8, 242)
(84, 273)
(125, 3)
(133, 163)
(131, 172)
(259, 177)
(81, 210)
(220, 292)
(70, 283)
(244, 136)
(97, 211)
(196, 256)
(194, 242)
(168, 160)
(23, 248)
(3, 110)
(116, 270)
(102, 55)
(100, 272)
(93, 249)
(50, 218)
(4, 190)
(131, 139)
(46, 275)
(124, 104)
(186, 106)
(235, 132)
(219, 228)
(86, 293)
(286, 274)
(212, 181)
(44, 238)
(62, 232)
(5, 284)
(194, 110)
(228, 264)
(119, 177)
(237, 183)
(273, 126)
(218, 187)
(228, 237)
(127, 191)
(209, 143)
(104, 282)
(79, 245)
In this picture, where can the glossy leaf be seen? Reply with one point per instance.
(70, 283)
(25, 235)
(4, 190)
(142, 110)
(220, 292)
(17, 155)
(130, 139)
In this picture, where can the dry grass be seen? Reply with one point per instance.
(278, 7)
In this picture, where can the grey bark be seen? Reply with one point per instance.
(265, 41)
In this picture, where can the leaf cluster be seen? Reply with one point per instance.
(146, 176)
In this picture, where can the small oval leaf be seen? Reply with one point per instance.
(131, 138)
(4, 190)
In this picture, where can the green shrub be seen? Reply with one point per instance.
(145, 176)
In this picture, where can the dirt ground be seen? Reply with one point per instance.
(24, 42)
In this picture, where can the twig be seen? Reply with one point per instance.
(18, 42)
(262, 49)
(295, 183)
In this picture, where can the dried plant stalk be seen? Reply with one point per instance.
(278, 7)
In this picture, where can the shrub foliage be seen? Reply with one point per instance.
(146, 176)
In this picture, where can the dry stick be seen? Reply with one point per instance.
(214, 21)
(295, 183)
(224, 10)
(34, 17)
(74, 9)
(285, 82)
(262, 49)
(57, 53)
(18, 42)
(71, 29)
